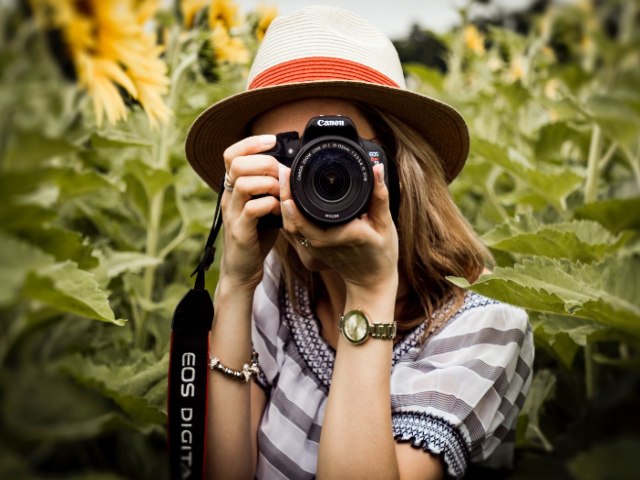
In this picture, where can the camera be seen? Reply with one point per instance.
(331, 178)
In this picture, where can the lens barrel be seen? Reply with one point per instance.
(331, 180)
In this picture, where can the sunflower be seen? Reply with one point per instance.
(223, 13)
(111, 51)
(190, 9)
(223, 19)
(473, 39)
(266, 14)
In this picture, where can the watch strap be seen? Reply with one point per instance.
(384, 331)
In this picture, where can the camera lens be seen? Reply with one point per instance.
(331, 180)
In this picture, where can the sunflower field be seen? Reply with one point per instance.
(103, 221)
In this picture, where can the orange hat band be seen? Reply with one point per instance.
(314, 69)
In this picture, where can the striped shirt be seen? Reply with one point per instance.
(456, 395)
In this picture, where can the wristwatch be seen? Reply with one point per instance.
(355, 327)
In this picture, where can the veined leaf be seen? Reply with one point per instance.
(15, 217)
(552, 182)
(114, 138)
(618, 115)
(606, 292)
(585, 241)
(616, 215)
(124, 384)
(564, 336)
(17, 259)
(39, 405)
(542, 389)
(553, 136)
(116, 263)
(30, 149)
(152, 179)
(63, 245)
(67, 288)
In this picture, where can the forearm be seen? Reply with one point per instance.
(357, 440)
(230, 448)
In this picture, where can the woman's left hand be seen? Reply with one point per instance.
(364, 252)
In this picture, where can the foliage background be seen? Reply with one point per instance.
(102, 220)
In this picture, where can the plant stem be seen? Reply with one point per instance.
(634, 163)
(153, 234)
(156, 202)
(590, 369)
(591, 195)
(591, 185)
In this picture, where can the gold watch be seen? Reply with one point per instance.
(356, 328)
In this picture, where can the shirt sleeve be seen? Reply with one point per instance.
(266, 335)
(458, 395)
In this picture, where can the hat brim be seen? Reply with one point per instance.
(225, 122)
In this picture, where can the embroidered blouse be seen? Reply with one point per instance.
(456, 395)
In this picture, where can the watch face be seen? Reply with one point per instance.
(355, 327)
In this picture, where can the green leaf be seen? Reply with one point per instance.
(585, 241)
(41, 406)
(617, 215)
(17, 259)
(564, 336)
(63, 245)
(553, 183)
(614, 460)
(126, 384)
(426, 75)
(114, 138)
(68, 289)
(152, 179)
(618, 114)
(552, 137)
(606, 292)
(542, 390)
(15, 217)
(115, 262)
(29, 149)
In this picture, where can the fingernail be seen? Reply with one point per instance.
(381, 173)
(281, 175)
(267, 140)
(288, 208)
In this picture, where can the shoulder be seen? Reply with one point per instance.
(487, 320)
(458, 395)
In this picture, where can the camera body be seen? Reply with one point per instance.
(331, 178)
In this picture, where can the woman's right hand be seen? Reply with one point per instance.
(251, 174)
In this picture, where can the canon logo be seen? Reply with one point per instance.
(330, 123)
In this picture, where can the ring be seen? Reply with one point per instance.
(303, 241)
(228, 185)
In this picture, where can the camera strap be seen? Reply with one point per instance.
(188, 370)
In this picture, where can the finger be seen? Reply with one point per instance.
(284, 175)
(257, 208)
(245, 188)
(248, 146)
(295, 223)
(252, 165)
(379, 203)
(285, 192)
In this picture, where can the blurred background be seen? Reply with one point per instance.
(102, 221)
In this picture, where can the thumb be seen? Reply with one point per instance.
(379, 204)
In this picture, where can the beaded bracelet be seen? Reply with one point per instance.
(248, 369)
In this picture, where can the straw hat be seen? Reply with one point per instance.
(324, 51)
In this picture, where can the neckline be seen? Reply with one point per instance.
(314, 349)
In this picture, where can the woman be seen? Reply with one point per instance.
(439, 385)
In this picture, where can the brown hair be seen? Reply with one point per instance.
(435, 240)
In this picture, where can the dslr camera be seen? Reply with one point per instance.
(331, 170)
